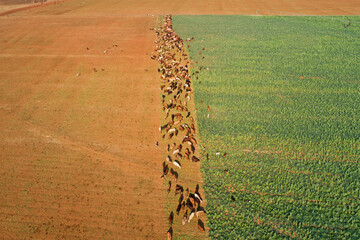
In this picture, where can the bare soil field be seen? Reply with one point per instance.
(80, 111)
(14, 2)
(77, 150)
(157, 7)
(9, 6)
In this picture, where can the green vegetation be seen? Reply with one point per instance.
(284, 97)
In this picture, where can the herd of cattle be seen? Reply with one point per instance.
(178, 131)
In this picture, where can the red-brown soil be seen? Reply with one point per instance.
(10, 2)
(78, 159)
(160, 7)
(12, 6)
(77, 152)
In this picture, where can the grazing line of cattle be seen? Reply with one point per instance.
(180, 124)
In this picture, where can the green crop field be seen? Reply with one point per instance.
(284, 99)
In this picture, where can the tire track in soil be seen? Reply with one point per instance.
(181, 167)
(44, 4)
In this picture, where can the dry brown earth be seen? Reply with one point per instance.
(10, 6)
(77, 153)
(159, 7)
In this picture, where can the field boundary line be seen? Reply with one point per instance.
(257, 13)
(290, 13)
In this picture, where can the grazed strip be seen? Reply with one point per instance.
(179, 130)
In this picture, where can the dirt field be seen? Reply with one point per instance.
(78, 158)
(8, 6)
(157, 7)
(77, 153)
